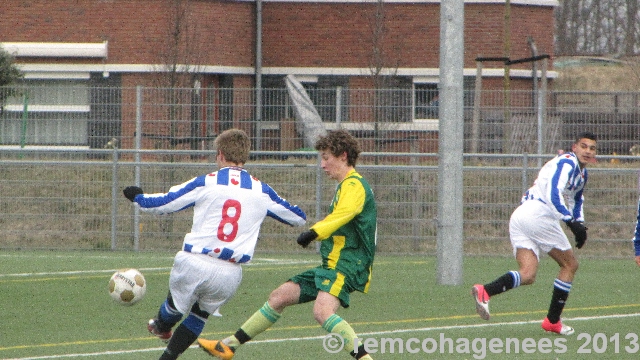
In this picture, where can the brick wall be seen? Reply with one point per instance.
(294, 34)
(324, 35)
(221, 32)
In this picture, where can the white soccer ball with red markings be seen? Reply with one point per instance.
(127, 286)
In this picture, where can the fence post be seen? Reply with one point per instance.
(318, 194)
(416, 205)
(114, 197)
(338, 104)
(542, 109)
(525, 166)
(138, 140)
(25, 115)
(477, 98)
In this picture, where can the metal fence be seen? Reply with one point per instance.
(68, 149)
(388, 120)
(72, 199)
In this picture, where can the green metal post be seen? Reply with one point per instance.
(23, 130)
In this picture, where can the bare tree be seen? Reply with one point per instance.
(179, 83)
(181, 55)
(179, 77)
(383, 69)
(9, 73)
(597, 27)
(631, 35)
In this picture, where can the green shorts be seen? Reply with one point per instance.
(319, 279)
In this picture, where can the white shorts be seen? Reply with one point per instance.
(532, 226)
(209, 281)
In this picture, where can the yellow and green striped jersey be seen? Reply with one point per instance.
(348, 232)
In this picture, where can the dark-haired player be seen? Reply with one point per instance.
(347, 238)
(556, 195)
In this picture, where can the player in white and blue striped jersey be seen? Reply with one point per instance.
(557, 194)
(229, 206)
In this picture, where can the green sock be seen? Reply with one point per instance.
(335, 324)
(260, 321)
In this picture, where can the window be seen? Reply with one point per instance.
(426, 101)
(329, 95)
(57, 113)
(225, 99)
(274, 99)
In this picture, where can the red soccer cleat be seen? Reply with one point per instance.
(482, 300)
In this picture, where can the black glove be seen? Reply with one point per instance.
(579, 231)
(130, 192)
(307, 237)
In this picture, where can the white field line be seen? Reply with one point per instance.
(397, 331)
(255, 262)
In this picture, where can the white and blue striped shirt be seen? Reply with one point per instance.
(229, 206)
(559, 185)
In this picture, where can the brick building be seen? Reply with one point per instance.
(211, 44)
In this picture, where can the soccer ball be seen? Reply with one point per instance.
(127, 286)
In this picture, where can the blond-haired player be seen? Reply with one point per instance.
(229, 206)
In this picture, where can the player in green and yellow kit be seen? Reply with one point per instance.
(348, 241)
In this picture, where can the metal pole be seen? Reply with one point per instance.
(539, 132)
(541, 110)
(534, 69)
(416, 214)
(138, 140)
(525, 166)
(114, 197)
(258, 110)
(25, 115)
(318, 195)
(477, 98)
(507, 128)
(451, 133)
(338, 104)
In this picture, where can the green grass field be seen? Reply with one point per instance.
(55, 305)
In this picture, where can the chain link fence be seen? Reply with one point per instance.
(68, 151)
(387, 120)
(74, 200)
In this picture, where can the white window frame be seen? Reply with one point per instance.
(418, 82)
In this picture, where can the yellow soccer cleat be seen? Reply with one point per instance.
(216, 348)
